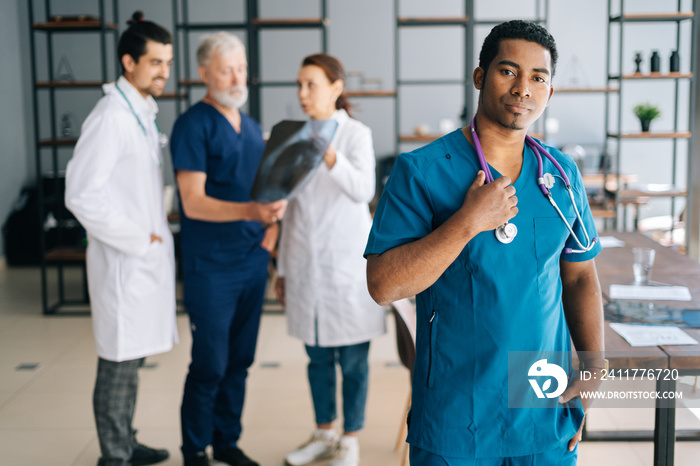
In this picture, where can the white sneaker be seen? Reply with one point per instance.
(349, 452)
(322, 445)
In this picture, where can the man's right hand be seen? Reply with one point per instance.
(491, 205)
(268, 213)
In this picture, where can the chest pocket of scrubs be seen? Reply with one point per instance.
(551, 235)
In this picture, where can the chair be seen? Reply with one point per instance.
(404, 312)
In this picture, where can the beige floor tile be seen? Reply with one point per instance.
(158, 410)
(43, 447)
(48, 411)
(12, 379)
(609, 453)
(62, 377)
(5, 395)
(18, 350)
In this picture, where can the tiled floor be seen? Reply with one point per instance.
(46, 414)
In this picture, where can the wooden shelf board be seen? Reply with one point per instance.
(58, 142)
(421, 138)
(653, 16)
(77, 25)
(581, 90)
(433, 20)
(674, 75)
(378, 93)
(652, 135)
(290, 21)
(191, 82)
(66, 254)
(601, 212)
(172, 95)
(69, 84)
(626, 194)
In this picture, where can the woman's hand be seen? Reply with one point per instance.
(329, 158)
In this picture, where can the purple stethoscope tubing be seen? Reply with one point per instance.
(539, 150)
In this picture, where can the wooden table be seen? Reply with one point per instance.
(614, 266)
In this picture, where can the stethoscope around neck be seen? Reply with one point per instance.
(507, 232)
(162, 138)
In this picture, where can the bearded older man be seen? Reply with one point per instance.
(226, 241)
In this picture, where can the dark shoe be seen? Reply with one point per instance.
(143, 455)
(200, 460)
(235, 457)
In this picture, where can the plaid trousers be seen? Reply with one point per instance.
(113, 402)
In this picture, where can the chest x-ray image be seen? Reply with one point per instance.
(293, 153)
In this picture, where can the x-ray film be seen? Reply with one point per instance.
(292, 154)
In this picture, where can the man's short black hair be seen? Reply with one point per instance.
(516, 29)
(133, 40)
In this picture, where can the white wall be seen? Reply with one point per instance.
(15, 113)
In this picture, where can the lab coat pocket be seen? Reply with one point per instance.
(432, 353)
(142, 276)
(550, 239)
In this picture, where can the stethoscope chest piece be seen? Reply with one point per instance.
(506, 233)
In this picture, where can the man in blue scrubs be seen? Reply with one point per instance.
(225, 242)
(481, 302)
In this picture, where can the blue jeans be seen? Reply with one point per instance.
(354, 365)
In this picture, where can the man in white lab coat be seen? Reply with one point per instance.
(114, 186)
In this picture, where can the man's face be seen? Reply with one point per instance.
(152, 71)
(226, 76)
(517, 87)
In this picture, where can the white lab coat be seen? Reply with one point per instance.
(114, 186)
(324, 233)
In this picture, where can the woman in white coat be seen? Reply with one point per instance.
(322, 278)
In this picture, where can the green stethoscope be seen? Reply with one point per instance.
(162, 138)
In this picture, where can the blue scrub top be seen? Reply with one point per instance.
(203, 140)
(493, 299)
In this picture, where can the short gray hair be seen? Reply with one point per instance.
(221, 41)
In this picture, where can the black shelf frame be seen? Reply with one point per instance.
(54, 142)
(622, 79)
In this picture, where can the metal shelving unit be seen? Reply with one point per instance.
(614, 132)
(49, 176)
(466, 21)
(253, 25)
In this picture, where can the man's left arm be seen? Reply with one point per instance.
(583, 308)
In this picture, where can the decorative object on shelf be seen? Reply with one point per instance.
(67, 125)
(674, 62)
(64, 71)
(574, 74)
(371, 84)
(638, 60)
(646, 113)
(59, 18)
(421, 130)
(655, 61)
(354, 80)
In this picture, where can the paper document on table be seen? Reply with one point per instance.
(658, 293)
(611, 242)
(652, 335)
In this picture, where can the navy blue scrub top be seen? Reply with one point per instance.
(203, 140)
(493, 299)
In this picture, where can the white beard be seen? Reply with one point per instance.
(227, 99)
